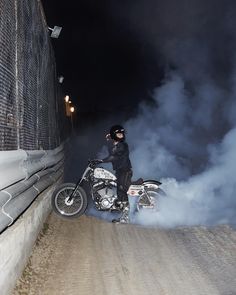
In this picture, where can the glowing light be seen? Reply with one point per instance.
(67, 98)
(72, 109)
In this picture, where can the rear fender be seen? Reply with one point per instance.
(152, 181)
(151, 184)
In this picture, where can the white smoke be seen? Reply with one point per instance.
(189, 142)
(188, 139)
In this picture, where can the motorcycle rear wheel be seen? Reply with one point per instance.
(154, 194)
(66, 208)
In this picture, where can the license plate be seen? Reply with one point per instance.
(134, 190)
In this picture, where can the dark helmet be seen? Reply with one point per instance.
(116, 129)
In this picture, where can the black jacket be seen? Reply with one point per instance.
(119, 156)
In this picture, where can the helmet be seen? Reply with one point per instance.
(116, 129)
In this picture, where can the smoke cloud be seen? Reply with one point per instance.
(189, 142)
(187, 139)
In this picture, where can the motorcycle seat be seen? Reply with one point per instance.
(137, 182)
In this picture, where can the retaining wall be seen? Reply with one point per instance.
(17, 241)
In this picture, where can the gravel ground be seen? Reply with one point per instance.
(91, 256)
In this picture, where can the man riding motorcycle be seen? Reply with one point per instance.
(119, 157)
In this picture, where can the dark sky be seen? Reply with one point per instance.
(113, 53)
(105, 63)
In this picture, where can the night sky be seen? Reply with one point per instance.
(106, 65)
(179, 57)
(114, 53)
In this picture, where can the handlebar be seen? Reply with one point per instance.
(94, 162)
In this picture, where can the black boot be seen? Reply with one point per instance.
(118, 205)
(125, 214)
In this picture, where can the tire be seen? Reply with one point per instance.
(154, 194)
(72, 209)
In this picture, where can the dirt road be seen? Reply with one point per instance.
(90, 256)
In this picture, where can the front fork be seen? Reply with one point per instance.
(72, 195)
(84, 177)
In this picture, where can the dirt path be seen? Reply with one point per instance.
(90, 256)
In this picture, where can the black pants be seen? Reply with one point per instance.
(123, 183)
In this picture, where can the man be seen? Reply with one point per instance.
(119, 157)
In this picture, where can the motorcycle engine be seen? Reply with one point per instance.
(104, 197)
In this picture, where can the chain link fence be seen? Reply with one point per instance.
(32, 114)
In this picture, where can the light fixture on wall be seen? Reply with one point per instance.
(60, 79)
(55, 31)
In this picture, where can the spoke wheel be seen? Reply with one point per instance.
(150, 203)
(68, 207)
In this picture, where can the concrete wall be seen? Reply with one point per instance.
(17, 241)
(23, 176)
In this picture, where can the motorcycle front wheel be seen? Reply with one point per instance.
(66, 207)
(152, 202)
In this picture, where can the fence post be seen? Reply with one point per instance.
(17, 111)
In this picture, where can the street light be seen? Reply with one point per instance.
(67, 99)
(72, 109)
(55, 31)
(60, 79)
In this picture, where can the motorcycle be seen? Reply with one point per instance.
(70, 200)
